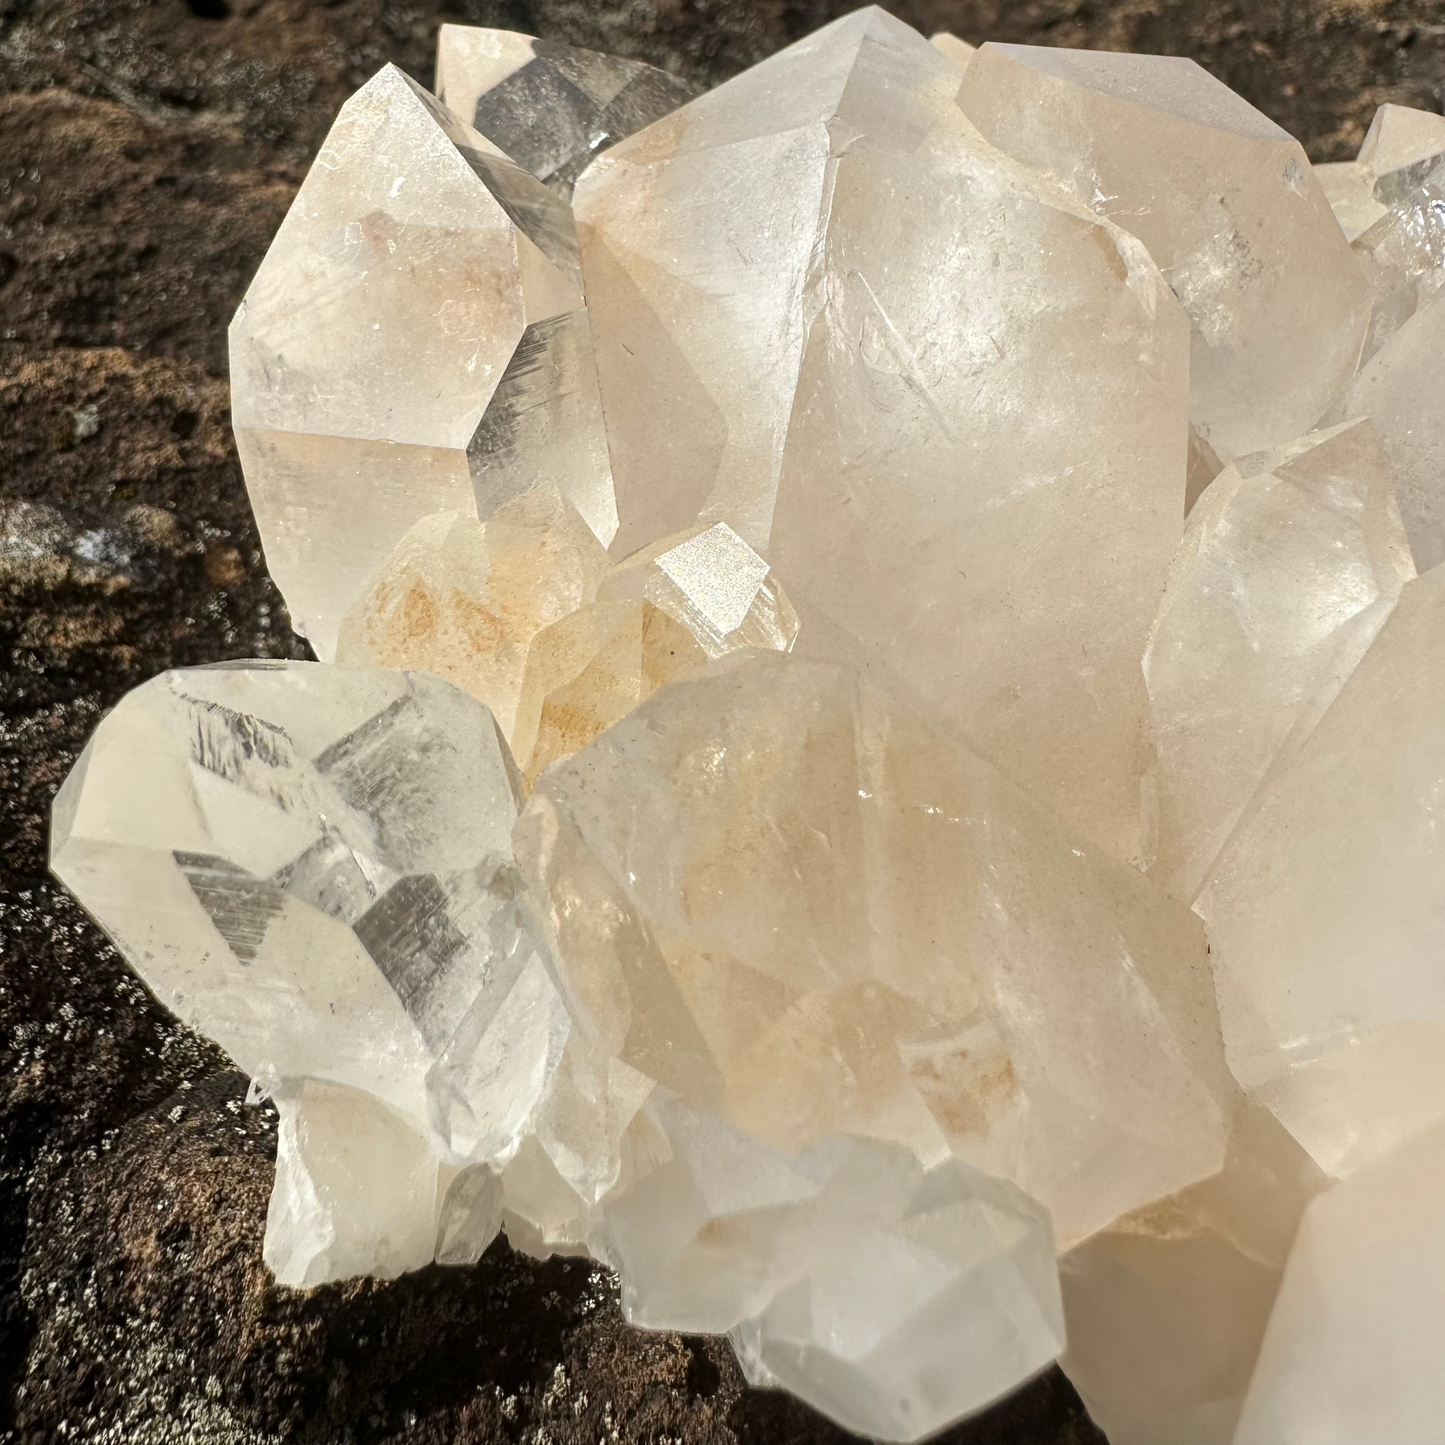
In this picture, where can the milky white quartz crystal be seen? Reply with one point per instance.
(830, 314)
(745, 879)
(1324, 910)
(1352, 1353)
(1399, 139)
(415, 341)
(464, 599)
(549, 106)
(1227, 205)
(1167, 1306)
(312, 865)
(1290, 563)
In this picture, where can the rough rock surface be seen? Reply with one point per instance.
(150, 150)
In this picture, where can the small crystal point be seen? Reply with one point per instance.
(1352, 1352)
(415, 341)
(1290, 563)
(1226, 203)
(1324, 909)
(551, 107)
(960, 52)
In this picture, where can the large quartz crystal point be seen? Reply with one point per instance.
(1166, 1307)
(1326, 910)
(464, 599)
(549, 106)
(1225, 201)
(309, 864)
(1399, 390)
(414, 342)
(931, 391)
(1352, 1353)
(776, 893)
(1398, 142)
(1290, 563)
(920, 1319)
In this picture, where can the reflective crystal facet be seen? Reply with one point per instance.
(551, 107)
(826, 313)
(1290, 563)
(746, 882)
(464, 599)
(1324, 908)
(1227, 205)
(1167, 1306)
(415, 341)
(1399, 143)
(1399, 390)
(1352, 1352)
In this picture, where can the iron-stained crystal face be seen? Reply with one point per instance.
(551, 107)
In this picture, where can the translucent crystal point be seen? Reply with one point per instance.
(551, 107)
(1399, 390)
(415, 341)
(715, 585)
(311, 865)
(824, 309)
(1325, 909)
(464, 599)
(960, 52)
(1352, 1351)
(1363, 190)
(1227, 205)
(1290, 563)
(1045, 1014)
(1166, 1307)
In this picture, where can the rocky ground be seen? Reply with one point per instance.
(148, 149)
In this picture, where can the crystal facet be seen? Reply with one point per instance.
(1290, 563)
(838, 360)
(551, 107)
(1227, 205)
(1352, 1351)
(1324, 909)
(414, 342)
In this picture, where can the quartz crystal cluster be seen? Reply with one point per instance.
(877, 759)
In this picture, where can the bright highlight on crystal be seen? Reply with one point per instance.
(879, 757)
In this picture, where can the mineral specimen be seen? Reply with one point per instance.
(778, 895)
(1290, 563)
(1227, 205)
(1352, 1351)
(414, 342)
(1324, 910)
(771, 876)
(841, 361)
(550, 107)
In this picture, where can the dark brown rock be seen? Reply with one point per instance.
(148, 149)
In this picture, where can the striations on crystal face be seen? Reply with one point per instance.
(1352, 1352)
(1227, 205)
(1290, 563)
(778, 895)
(895, 363)
(1166, 1307)
(464, 599)
(1324, 909)
(551, 107)
(415, 341)
(312, 865)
